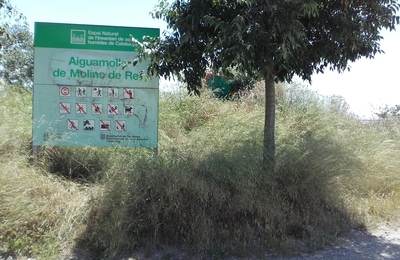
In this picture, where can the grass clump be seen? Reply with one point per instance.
(375, 191)
(40, 215)
(198, 203)
(82, 165)
(219, 200)
(15, 120)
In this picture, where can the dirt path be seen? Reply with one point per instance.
(382, 243)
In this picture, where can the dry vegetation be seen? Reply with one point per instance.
(206, 191)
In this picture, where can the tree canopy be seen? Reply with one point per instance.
(7, 12)
(16, 55)
(273, 39)
(286, 37)
(16, 47)
(388, 112)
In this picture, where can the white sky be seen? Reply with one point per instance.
(370, 83)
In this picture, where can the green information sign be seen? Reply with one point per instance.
(83, 97)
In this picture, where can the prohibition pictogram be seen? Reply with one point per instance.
(128, 93)
(72, 124)
(97, 92)
(104, 125)
(120, 125)
(80, 92)
(80, 108)
(113, 93)
(112, 109)
(65, 108)
(88, 125)
(65, 91)
(97, 109)
(128, 110)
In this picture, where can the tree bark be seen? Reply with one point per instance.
(269, 124)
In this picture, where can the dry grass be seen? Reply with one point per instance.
(40, 214)
(375, 190)
(207, 190)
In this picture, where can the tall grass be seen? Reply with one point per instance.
(206, 191)
(40, 214)
(375, 191)
(15, 120)
(211, 194)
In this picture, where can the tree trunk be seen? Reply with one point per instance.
(269, 124)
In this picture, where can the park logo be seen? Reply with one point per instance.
(78, 37)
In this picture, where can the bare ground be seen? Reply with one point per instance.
(380, 243)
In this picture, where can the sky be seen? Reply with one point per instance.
(370, 84)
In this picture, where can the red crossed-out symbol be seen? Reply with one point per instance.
(80, 108)
(65, 107)
(72, 124)
(96, 108)
(122, 126)
(112, 109)
(104, 125)
(129, 93)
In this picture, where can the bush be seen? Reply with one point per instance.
(180, 199)
(213, 196)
